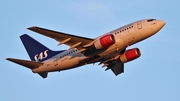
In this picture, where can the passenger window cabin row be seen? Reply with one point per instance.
(72, 51)
(123, 29)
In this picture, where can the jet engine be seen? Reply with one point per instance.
(104, 41)
(100, 45)
(130, 55)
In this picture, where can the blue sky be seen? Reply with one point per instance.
(152, 77)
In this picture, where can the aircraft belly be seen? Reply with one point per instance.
(48, 66)
(68, 63)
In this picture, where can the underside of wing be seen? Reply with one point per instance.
(64, 38)
(117, 67)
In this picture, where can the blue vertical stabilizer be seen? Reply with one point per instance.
(37, 52)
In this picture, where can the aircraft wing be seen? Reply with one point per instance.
(64, 38)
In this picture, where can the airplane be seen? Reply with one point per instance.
(108, 49)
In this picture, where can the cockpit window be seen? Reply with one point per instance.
(150, 20)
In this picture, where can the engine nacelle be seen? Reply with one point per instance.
(104, 41)
(100, 45)
(130, 55)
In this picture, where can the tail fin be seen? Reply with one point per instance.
(36, 51)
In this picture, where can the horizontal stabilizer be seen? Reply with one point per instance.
(26, 63)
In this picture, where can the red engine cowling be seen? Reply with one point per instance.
(130, 55)
(104, 41)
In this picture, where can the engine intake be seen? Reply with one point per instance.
(130, 55)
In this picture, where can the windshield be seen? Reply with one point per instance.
(150, 20)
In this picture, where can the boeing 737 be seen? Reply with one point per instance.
(108, 49)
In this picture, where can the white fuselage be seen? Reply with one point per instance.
(124, 37)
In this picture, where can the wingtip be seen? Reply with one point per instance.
(9, 59)
(31, 27)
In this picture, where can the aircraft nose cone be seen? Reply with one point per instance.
(161, 23)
